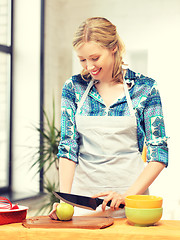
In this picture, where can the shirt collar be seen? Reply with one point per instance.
(130, 75)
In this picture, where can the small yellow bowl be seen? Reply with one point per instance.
(143, 201)
(143, 217)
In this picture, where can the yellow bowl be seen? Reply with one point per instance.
(143, 201)
(143, 217)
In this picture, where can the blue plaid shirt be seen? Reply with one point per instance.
(146, 101)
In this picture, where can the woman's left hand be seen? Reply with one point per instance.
(115, 198)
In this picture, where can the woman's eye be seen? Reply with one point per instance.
(82, 60)
(95, 59)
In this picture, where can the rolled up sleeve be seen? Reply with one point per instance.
(156, 139)
(68, 146)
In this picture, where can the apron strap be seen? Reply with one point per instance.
(84, 96)
(129, 101)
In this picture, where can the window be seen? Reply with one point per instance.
(5, 93)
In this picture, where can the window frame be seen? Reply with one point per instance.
(9, 50)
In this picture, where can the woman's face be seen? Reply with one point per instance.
(98, 61)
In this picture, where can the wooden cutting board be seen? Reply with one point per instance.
(85, 222)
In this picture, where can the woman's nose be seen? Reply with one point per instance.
(89, 66)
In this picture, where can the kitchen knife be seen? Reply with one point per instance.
(82, 201)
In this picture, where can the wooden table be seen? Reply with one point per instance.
(164, 229)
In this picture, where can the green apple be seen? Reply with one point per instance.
(64, 211)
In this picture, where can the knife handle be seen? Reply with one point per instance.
(100, 201)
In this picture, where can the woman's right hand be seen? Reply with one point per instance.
(52, 214)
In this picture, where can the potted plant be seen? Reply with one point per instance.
(46, 156)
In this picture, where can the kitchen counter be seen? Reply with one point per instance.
(121, 229)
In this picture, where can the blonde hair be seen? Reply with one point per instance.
(103, 32)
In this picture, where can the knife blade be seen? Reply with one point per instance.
(82, 201)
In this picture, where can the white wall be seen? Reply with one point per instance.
(26, 100)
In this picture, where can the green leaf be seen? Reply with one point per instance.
(47, 152)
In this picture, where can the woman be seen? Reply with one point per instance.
(107, 112)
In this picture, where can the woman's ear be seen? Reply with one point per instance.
(114, 50)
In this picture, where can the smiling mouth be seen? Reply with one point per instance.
(95, 73)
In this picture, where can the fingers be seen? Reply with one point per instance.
(115, 198)
(109, 197)
(116, 201)
(52, 214)
(102, 194)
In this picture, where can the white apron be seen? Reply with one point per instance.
(109, 158)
